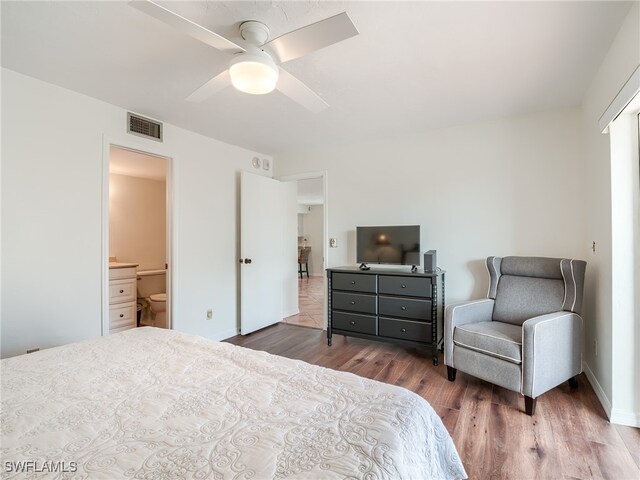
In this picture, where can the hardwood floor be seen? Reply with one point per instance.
(310, 303)
(569, 437)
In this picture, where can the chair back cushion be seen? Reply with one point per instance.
(526, 287)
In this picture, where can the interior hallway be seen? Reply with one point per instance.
(310, 302)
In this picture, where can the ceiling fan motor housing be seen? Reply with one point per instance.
(254, 32)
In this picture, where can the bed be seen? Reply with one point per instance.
(151, 403)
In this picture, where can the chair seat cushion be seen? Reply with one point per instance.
(502, 340)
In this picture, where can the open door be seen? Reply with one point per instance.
(268, 249)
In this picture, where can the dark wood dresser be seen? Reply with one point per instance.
(387, 305)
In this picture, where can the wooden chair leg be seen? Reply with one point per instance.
(451, 373)
(306, 269)
(530, 405)
(573, 383)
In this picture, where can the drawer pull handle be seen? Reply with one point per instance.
(403, 308)
(353, 302)
(404, 286)
(352, 322)
(121, 315)
(403, 330)
(121, 291)
(353, 282)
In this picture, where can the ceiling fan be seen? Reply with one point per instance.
(253, 68)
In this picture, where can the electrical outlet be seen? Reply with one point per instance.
(35, 349)
(210, 314)
(595, 347)
(333, 242)
(593, 247)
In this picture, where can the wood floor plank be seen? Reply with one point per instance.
(392, 371)
(569, 437)
(376, 364)
(471, 433)
(631, 438)
(449, 417)
(615, 463)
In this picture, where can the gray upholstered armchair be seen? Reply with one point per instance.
(526, 335)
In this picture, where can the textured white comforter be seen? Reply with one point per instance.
(150, 404)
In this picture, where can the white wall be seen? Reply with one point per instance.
(617, 67)
(52, 166)
(508, 187)
(313, 222)
(137, 221)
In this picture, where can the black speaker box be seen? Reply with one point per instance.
(430, 262)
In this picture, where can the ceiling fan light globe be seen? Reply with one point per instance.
(254, 74)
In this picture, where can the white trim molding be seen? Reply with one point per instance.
(615, 415)
(604, 401)
(625, 417)
(629, 90)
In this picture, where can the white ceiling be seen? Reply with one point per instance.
(414, 66)
(311, 191)
(135, 164)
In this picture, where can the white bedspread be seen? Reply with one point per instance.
(158, 404)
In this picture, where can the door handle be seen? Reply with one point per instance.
(246, 260)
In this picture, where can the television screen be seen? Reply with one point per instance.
(397, 245)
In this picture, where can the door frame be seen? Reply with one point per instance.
(153, 149)
(324, 174)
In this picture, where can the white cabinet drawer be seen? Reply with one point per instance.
(118, 273)
(121, 291)
(120, 329)
(122, 316)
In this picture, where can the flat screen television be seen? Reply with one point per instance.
(391, 244)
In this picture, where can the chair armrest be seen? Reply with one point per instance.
(551, 351)
(460, 314)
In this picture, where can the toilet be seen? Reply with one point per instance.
(152, 296)
(158, 306)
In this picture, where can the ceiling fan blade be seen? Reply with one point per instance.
(214, 85)
(186, 26)
(313, 37)
(299, 92)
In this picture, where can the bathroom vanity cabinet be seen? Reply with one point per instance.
(122, 296)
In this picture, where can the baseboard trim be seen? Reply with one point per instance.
(604, 401)
(625, 417)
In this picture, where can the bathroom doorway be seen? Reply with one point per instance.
(312, 246)
(138, 217)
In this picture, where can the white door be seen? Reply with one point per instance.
(265, 263)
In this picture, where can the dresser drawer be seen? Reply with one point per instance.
(355, 302)
(405, 307)
(119, 273)
(407, 286)
(121, 291)
(122, 316)
(354, 282)
(354, 322)
(405, 329)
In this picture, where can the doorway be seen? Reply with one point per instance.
(138, 221)
(311, 251)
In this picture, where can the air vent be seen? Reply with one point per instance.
(144, 127)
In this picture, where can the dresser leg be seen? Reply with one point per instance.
(435, 361)
(329, 341)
